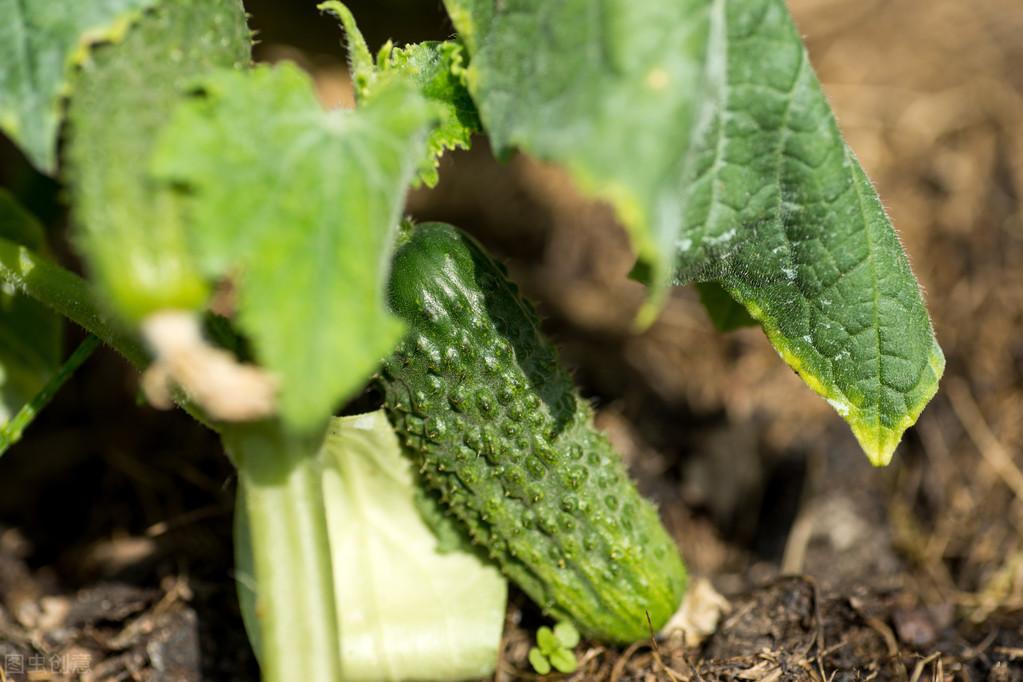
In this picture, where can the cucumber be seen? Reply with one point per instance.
(502, 438)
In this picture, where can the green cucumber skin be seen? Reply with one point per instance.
(500, 434)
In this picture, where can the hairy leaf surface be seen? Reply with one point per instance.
(29, 333)
(311, 245)
(39, 42)
(779, 211)
(703, 123)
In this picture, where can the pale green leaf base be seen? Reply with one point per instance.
(407, 612)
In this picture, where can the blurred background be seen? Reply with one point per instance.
(818, 566)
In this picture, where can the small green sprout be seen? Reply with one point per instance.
(554, 648)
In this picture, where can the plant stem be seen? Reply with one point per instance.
(280, 477)
(67, 294)
(279, 472)
(70, 296)
(10, 433)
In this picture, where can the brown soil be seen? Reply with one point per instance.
(115, 523)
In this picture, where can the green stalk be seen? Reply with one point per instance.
(70, 296)
(10, 433)
(67, 294)
(278, 471)
(280, 478)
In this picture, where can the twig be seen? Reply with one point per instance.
(500, 650)
(203, 513)
(623, 660)
(675, 677)
(821, 644)
(797, 542)
(977, 651)
(918, 671)
(591, 653)
(990, 448)
(886, 634)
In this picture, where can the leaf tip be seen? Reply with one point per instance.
(879, 441)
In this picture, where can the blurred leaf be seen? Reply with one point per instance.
(303, 203)
(128, 229)
(704, 125)
(40, 40)
(546, 641)
(566, 634)
(608, 90)
(437, 71)
(564, 661)
(539, 662)
(725, 312)
(30, 334)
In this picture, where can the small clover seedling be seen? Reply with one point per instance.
(554, 648)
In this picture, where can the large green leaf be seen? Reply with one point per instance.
(608, 89)
(303, 204)
(435, 68)
(30, 334)
(704, 125)
(39, 43)
(779, 211)
(129, 228)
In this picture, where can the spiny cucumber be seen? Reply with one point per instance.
(501, 436)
